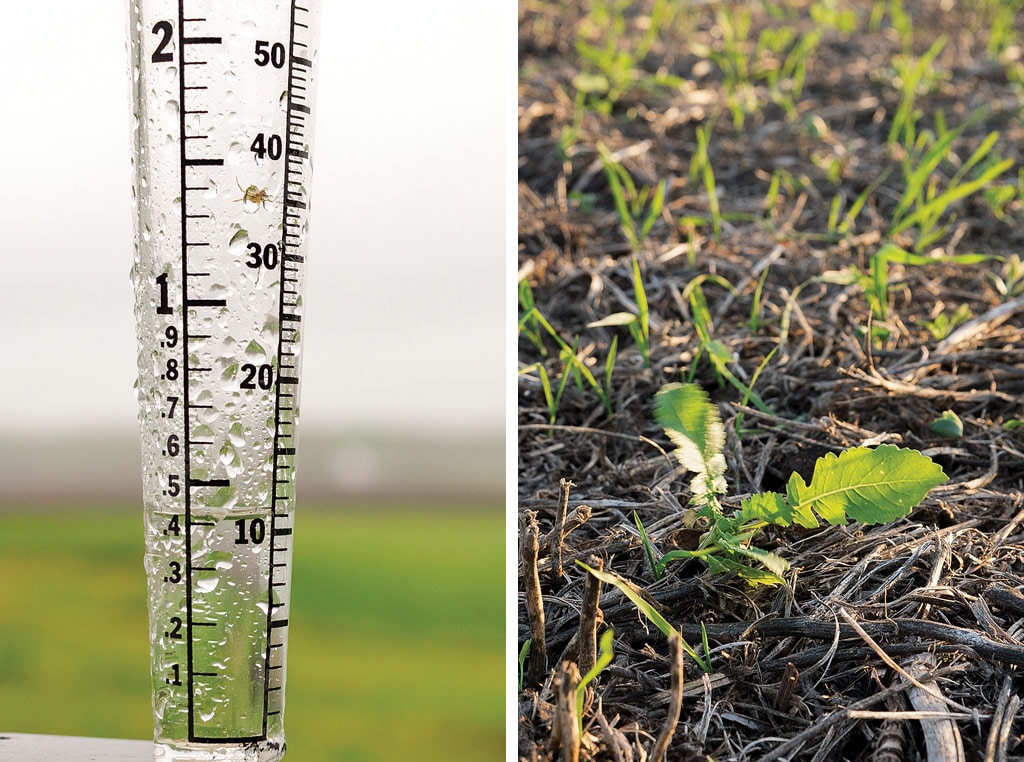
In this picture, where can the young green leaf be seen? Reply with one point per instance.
(524, 654)
(630, 591)
(870, 485)
(750, 574)
(694, 425)
(948, 425)
(652, 552)
(770, 507)
(604, 658)
(616, 318)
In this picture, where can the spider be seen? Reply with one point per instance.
(254, 195)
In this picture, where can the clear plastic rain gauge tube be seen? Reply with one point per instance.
(223, 106)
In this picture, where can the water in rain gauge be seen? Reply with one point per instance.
(223, 104)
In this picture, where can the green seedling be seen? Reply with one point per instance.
(872, 486)
(915, 75)
(829, 14)
(639, 325)
(846, 226)
(604, 658)
(550, 400)
(701, 165)
(898, 17)
(755, 303)
(524, 654)
(609, 365)
(785, 80)
(529, 324)
(999, 196)
(716, 352)
(638, 207)
(771, 198)
(876, 285)
(942, 325)
(731, 59)
(573, 368)
(1010, 281)
(654, 616)
(948, 425)
(923, 206)
(1002, 35)
(775, 63)
(611, 62)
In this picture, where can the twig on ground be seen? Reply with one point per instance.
(941, 735)
(534, 603)
(899, 387)
(805, 627)
(675, 705)
(597, 166)
(565, 730)
(891, 741)
(558, 533)
(590, 615)
(891, 663)
(576, 518)
(980, 325)
(620, 747)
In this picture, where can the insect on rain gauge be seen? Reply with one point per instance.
(223, 106)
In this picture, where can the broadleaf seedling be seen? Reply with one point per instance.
(870, 485)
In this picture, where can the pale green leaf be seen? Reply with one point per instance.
(596, 84)
(872, 486)
(693, 424)
(616, 318)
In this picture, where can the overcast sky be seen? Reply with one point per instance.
(405, 297)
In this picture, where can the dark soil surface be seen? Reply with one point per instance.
(816, 669)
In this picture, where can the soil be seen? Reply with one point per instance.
(816, 669)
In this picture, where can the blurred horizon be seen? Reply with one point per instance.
(404, 333)
(90, 469)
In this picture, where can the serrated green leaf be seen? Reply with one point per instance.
(768, 506)
(869, 485)
(693, 424)
(752, 575)
(772, 562)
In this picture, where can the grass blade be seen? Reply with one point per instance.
(648, 610)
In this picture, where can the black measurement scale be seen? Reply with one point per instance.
(224, 114)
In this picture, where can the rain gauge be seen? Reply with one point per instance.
(223, 107)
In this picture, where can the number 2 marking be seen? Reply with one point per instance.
(165, 29)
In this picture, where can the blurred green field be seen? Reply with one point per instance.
(396, 643)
